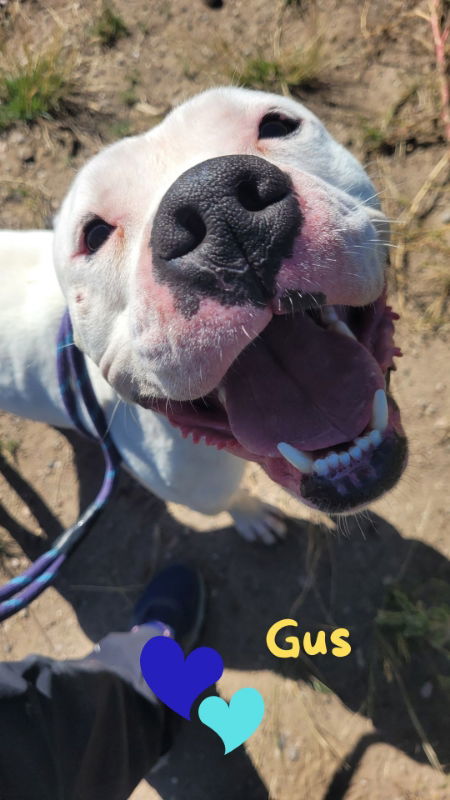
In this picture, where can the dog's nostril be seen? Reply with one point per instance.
(249, 197)
(255, 198)
(191, 221)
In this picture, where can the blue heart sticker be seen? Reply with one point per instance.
(177, 681)
(236, 722)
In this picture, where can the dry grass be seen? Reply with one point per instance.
(407, 625)
(424, 106)
(10, 446)
(303, 68)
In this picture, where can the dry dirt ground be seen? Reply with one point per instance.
(375, 724)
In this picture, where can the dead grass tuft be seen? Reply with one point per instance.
(10, 446)
(423, 106)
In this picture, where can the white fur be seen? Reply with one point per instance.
(125, 323)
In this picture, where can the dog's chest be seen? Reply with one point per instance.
(31, 305)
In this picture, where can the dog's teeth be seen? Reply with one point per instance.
(333, 323)
(375, 438)
(329, 315)
(355, 453)
(380, 411)
(333, 460)
(221, 395)
(321, 466)
(298, 459)
(342, 327)
(336, 461)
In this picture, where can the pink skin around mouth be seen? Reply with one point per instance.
(206, 419)
(203, 346)
(336, 228)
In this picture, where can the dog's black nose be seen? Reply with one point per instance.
(223, 229)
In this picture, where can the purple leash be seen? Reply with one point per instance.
(73, 379)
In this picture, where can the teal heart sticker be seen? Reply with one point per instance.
(234, 722)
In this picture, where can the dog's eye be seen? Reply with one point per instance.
(96, 233)
(273, 126)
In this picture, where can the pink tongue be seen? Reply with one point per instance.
(302, 384)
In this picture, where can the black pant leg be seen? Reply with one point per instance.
(78, 730)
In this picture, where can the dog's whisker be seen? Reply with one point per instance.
(113, 414)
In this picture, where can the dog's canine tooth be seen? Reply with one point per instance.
(341, 327)
(332, 321)
(298, 459)
(380, 412)
(221, 395)
(329, 315)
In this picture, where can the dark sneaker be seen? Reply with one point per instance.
(175, 597)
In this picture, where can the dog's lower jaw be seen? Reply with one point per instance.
(342, 496)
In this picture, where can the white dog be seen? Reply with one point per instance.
(224, 275)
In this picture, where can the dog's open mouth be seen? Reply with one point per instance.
(308, 400)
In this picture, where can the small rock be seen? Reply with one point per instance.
(149, 110)
(17, 137)
(293, 753)
(441, 424)
(426, 690)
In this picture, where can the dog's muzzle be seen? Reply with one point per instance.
(223, 230)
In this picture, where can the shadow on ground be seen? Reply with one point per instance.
(321, 579)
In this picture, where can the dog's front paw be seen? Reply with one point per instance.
(255, 520)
